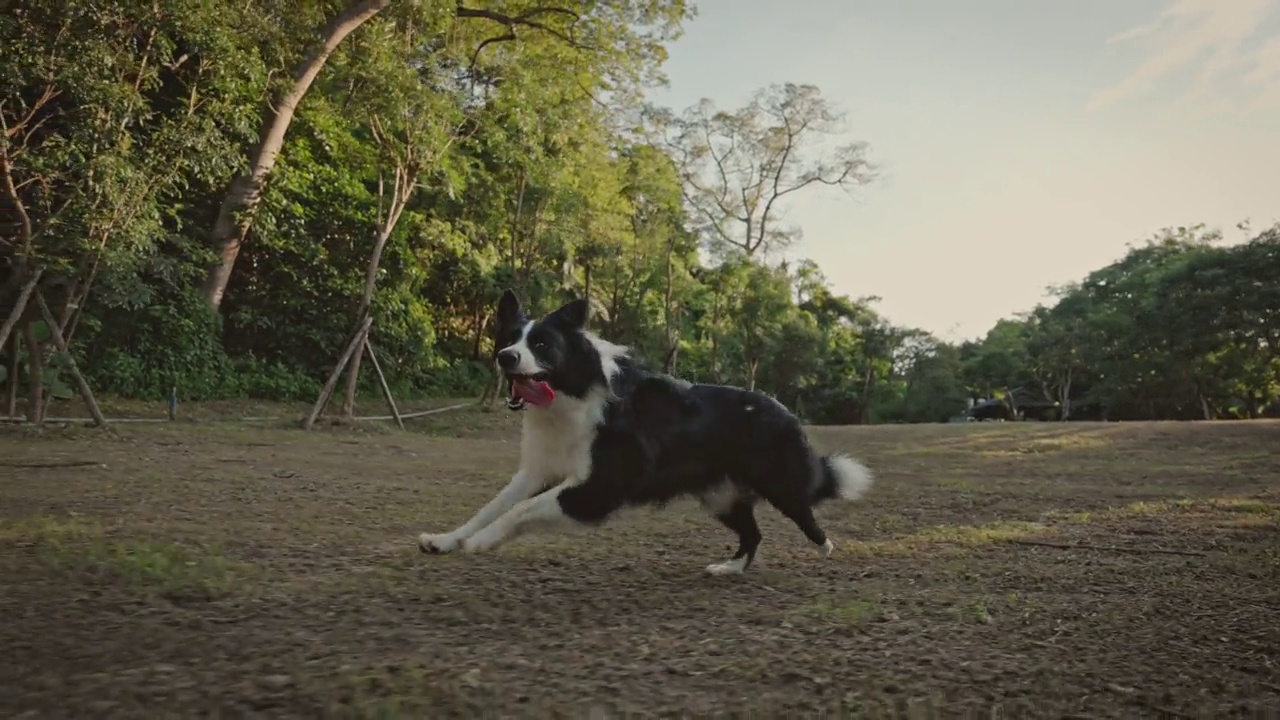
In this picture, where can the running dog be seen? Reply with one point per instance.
(602, 434)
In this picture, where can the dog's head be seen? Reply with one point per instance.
(552, 356)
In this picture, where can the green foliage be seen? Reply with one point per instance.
(1181, 327)
(477, 158)
(177, 343)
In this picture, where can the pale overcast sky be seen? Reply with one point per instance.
(1022, 140)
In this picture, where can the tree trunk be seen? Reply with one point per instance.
(752, 365)
(1065, 398)
(19, 306)
(864, 402)
(35, 376)
(1011, 402)
(1205, 408)
(479, 319)
(11, 392)
(235, 216)
(586, 270)
(517, 215)
(715, 338)
(667, 311)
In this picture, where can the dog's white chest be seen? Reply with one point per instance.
(557, 445)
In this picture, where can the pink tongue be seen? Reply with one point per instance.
(534, 392)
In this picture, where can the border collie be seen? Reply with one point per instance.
(602, 434)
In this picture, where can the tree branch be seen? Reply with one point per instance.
(11, 191)
(527, 18)
(49, 94)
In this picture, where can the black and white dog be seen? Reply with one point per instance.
(604, 434)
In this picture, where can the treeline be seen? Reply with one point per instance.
(1182, 327)
(213, 194)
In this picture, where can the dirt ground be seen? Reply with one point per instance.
(1030, 569)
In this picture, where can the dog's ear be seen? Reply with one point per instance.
(571, 315)
(509, 311)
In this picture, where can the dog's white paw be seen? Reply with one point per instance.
(438, 544)
(728, 567)
(827, 548)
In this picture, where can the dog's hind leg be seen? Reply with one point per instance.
(802, 515)
(739, 517)
(798, 510)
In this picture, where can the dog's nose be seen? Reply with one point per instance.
(508, 359)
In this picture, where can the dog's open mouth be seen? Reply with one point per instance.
(530, 389)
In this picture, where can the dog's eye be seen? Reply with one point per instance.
(540, 345)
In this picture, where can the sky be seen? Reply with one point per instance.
(1021, 141)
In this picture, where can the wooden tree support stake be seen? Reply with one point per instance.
(81, 384)
(356, 342)
(19, 306)
(382, 380)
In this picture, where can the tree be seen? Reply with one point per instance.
(111, 113)
(1056, 347)
(610, 25)
(999, 363)
(932, 387)
(414, 120)
(740, 167)
(236, 213)
(764, 309)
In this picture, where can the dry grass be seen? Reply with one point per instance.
(253, 568)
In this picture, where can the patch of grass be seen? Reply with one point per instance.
(1071, 441)
(1020, 445)
(962, 536)
(851, 612)
(892, 522)
(1239, 505)
(955, 484)
(70, 544)
(1252, 522)
(1075, 516)
(1248, 512)
(47, 528)
(1143, 507)
(977, 611)
(973, 535)
(173, 569)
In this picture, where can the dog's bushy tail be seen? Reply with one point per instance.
(843, 478)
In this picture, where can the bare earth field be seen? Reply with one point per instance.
(1029, 569)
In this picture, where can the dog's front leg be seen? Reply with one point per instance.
(542, 510)
(522, 485)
